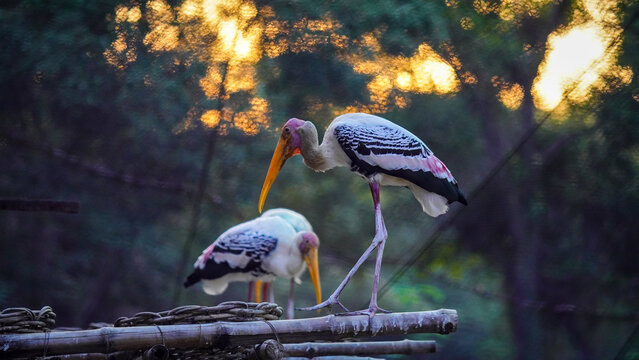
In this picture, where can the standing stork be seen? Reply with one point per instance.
(381, 152)
(281, 243)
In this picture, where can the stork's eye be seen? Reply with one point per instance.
(287, 130)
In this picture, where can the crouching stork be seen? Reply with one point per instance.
(381, 152)
(280, 243)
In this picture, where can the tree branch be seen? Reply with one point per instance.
(107, 172)
(72, 207)
(312, 349)
(225, 334)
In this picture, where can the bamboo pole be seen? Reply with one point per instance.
(223, 334)
(338, 357)
(271, 349)
(120, 355)
(404, 347)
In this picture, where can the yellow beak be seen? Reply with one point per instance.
(279, 157)
(313, 269)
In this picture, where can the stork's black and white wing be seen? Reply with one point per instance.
(259, 249)
(377, 146)
(239, 252)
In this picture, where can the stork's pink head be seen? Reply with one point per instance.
(291, 127)
(289, 145)
(309, 243)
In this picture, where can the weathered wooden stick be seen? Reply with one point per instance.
(271, 349)
(156, 352)
(223, 334)
(404, 347)
(72, 207)
(268, 350)
(338, 357)
(120, 355)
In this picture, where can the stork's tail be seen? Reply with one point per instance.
(192, 279)
(461, 197)
(432, 204)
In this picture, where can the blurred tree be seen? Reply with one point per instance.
(114, 103)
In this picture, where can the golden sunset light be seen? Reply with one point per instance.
(510, 95)
(242, 34)
(579, 57)
(237, 34)
(426, 72)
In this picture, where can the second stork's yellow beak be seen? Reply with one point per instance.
(313, 269)
(281, 154)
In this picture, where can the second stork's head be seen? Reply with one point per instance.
(308, 243)
(289, 144)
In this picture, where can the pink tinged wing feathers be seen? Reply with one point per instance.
(396, 157)
(277, 223)
(437, 167)
(236, 261)
(387, 145)
(204, 257)
(422, 162)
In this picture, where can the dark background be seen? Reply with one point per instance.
(104, 103)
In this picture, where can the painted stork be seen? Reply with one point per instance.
(281, 243)
(381, 152)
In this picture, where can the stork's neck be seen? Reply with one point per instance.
(312, 152)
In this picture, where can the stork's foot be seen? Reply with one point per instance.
(329, 303)
(371, 311)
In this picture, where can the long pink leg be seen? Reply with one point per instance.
(250, 290)
(271, 294)
(378, 240)
(290, 312)
(380, 230)
(268, 292)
